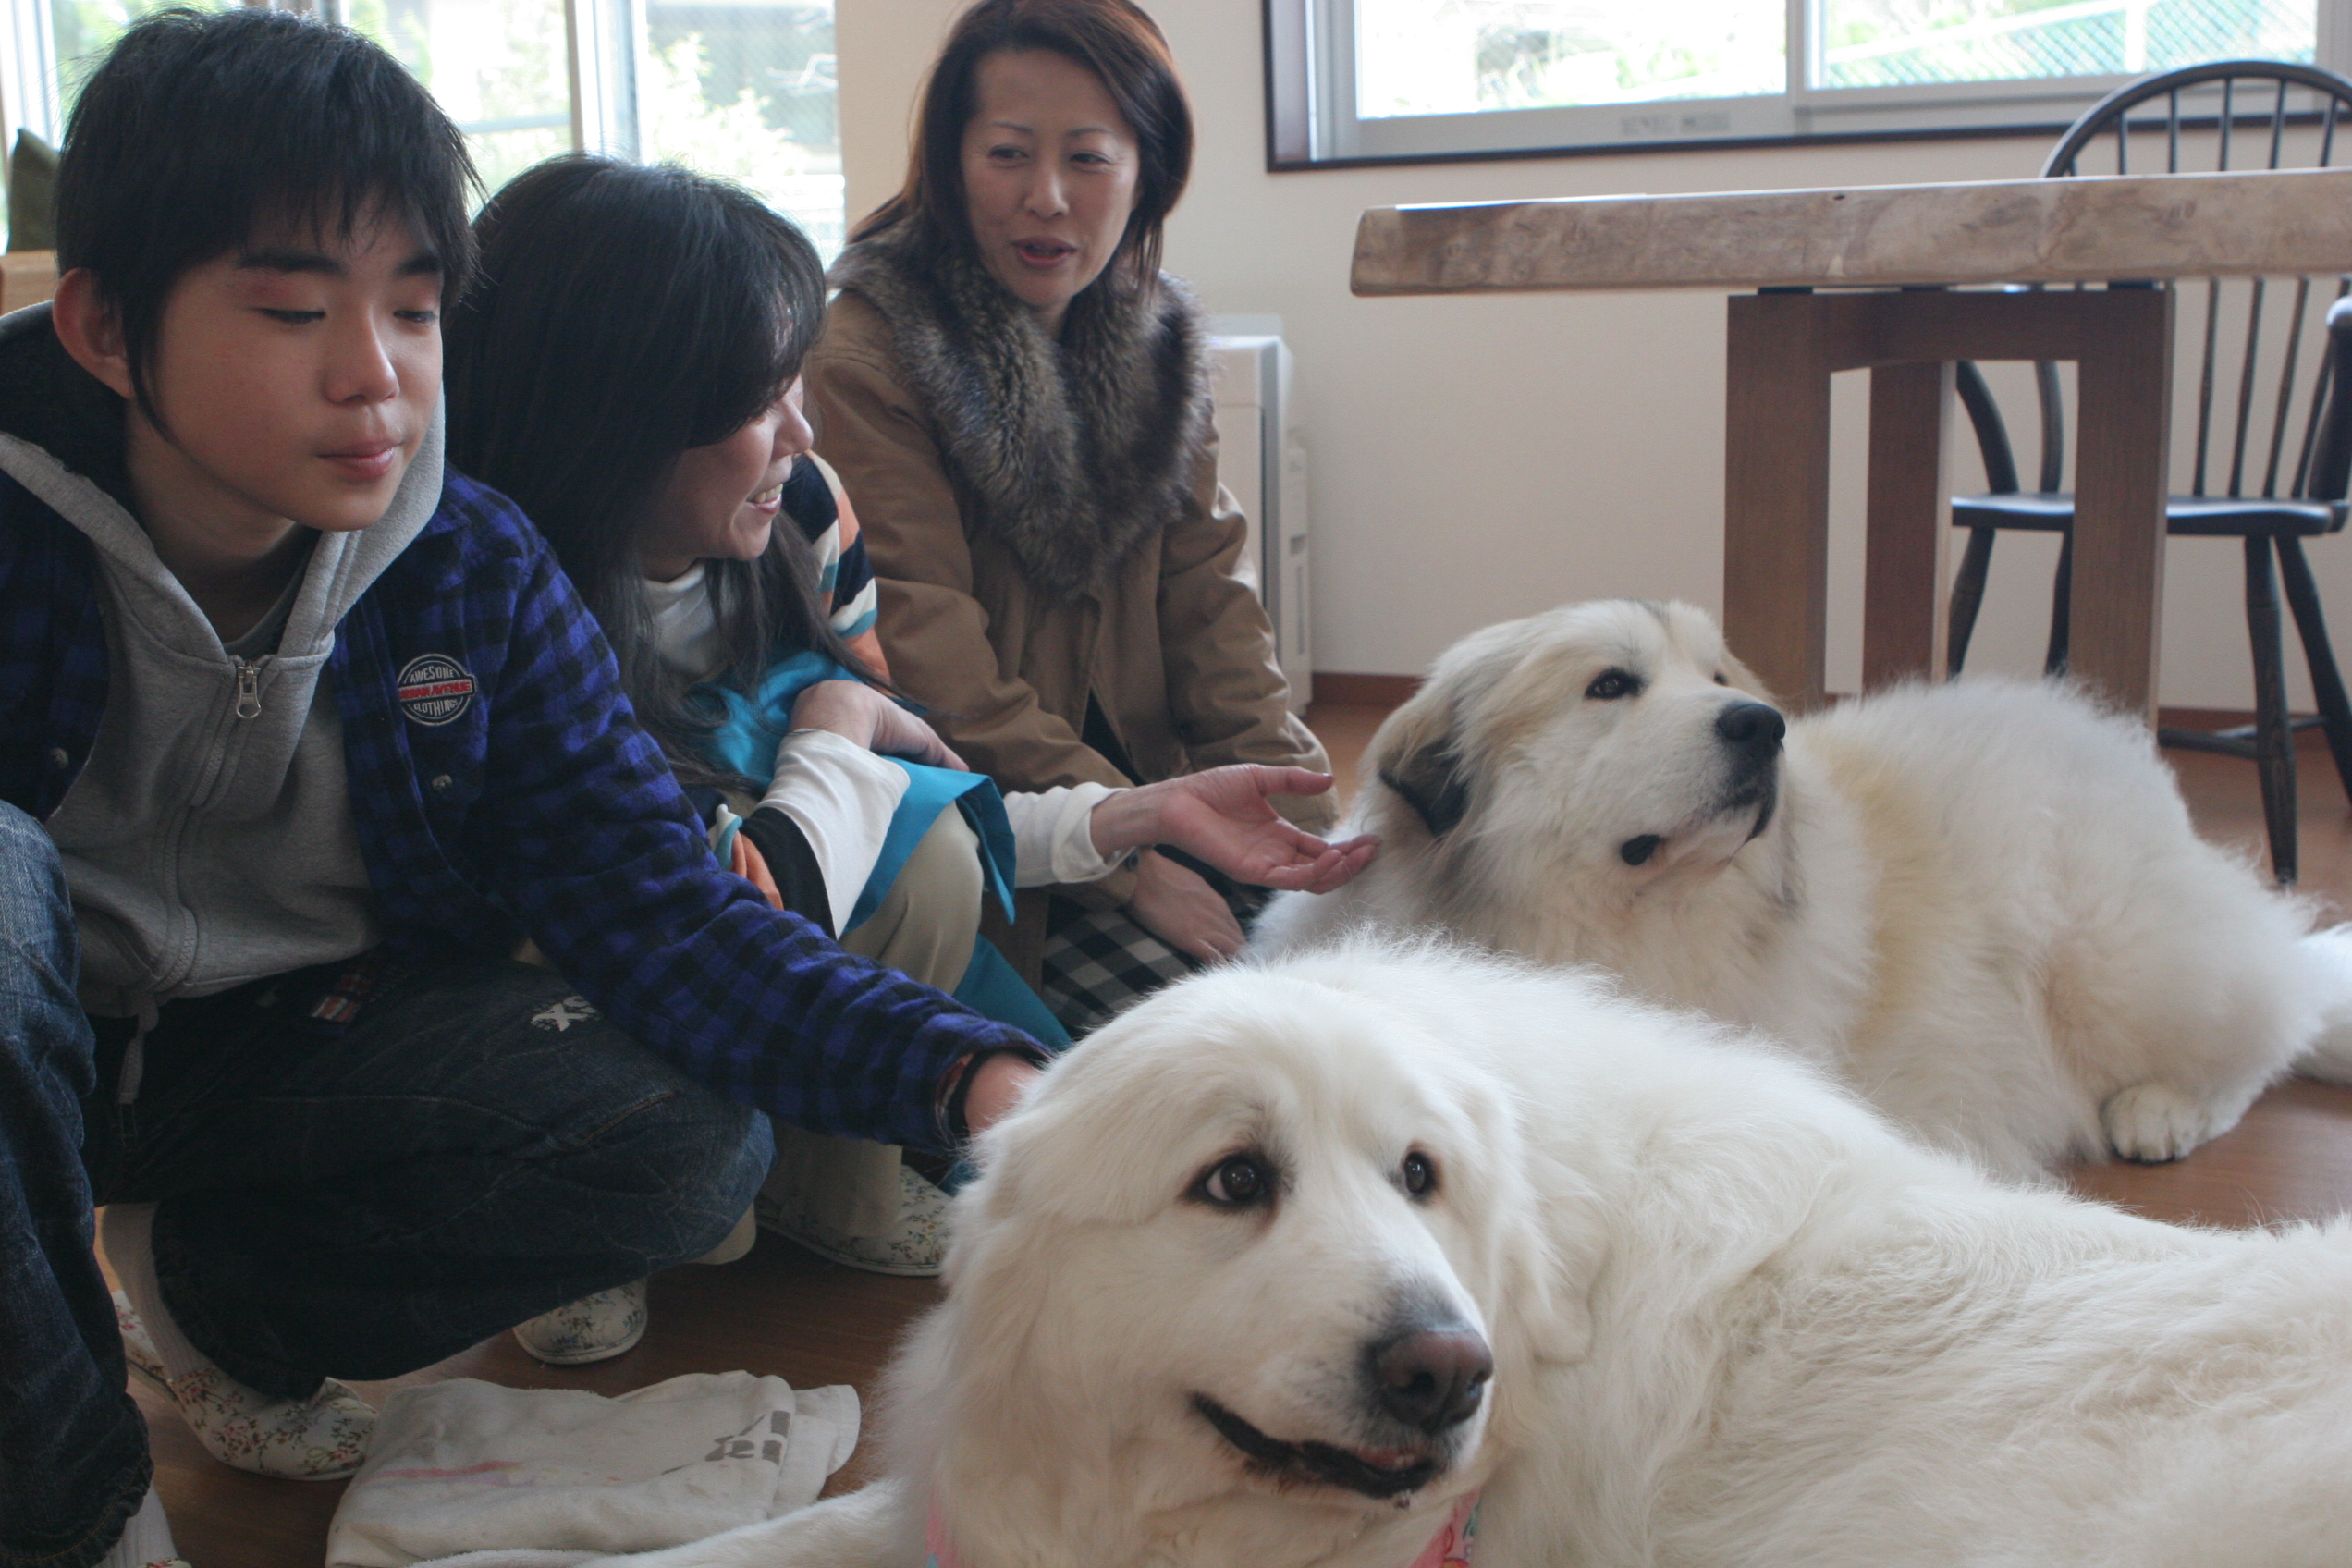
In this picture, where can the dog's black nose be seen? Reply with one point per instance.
(1432, 1378)
(1755, 726)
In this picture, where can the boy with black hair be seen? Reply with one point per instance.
(300, 733)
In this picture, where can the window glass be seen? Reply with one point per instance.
(746, 88)
(1907, 43)
(82, 30)
(1459, 57)
(498, 67)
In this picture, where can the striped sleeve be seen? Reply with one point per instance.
(845, 574)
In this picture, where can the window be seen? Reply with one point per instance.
(747, 89)
(498, 66)
(1372, 80)
(739, 88)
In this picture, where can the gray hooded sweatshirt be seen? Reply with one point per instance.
(209, 840)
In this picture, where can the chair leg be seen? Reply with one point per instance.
(2273, 739)
(1967, 597)
(2327, 686)
(2061, 608)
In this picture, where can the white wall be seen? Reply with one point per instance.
(1477, 458)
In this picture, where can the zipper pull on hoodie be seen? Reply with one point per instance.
(249, 690)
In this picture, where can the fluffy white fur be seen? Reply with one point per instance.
(1980, 904)
(1735, 1317)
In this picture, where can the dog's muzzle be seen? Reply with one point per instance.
(1423, 1383)
(1374, 1473)
(1430, 1379)
(1751, 733)
(1753, 729)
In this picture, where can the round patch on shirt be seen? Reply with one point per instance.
(435, 689)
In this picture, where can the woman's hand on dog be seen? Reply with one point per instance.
(858, 713)
(1224, 817)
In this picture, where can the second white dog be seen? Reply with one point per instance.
(1282, 1270)
(1981, 904)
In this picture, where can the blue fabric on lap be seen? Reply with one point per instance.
(753, 726)
(931, 791)
(992, 987)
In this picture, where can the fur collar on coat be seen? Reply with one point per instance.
(1074, 451)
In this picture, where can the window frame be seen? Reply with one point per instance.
(29, 68)
(606, 46)
(601, 75)
(1311, 123)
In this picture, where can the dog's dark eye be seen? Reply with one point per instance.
(1611, 684)
(1719, 678)
(1237, 1182)
(1420, 1174)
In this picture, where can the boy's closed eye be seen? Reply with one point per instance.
(425, 316)
(285, 283)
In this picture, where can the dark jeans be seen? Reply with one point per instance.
(469, 1152)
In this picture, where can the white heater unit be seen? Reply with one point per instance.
(1261, 460)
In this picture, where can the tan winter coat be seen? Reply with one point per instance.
(1002, 622)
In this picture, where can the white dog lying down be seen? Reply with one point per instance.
(1284, 1266)
(1980, 904)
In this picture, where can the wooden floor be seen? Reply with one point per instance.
(784, 1312)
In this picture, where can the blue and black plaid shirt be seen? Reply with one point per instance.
(540, 807)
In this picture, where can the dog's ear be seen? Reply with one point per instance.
(1551, 1302)
(1417, 756)
(1539, 1266)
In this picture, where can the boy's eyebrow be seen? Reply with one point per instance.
(289, 259)
(286, 258)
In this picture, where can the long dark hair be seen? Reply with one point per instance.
(622, 315)
(1113, 39)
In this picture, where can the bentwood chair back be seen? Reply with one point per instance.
(2274, 360)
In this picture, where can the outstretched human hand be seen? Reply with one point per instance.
(1223, 818)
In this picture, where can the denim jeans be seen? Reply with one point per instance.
(475, 1147)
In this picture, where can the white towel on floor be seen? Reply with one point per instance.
(470, 1474)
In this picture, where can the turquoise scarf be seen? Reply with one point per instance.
(745, 742)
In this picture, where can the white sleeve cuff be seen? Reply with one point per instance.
(841, 796)
(1053, 836)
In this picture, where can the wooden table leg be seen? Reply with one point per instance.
(1903, 603)
(1776, 492)
(2122, 467)
(1783, 350)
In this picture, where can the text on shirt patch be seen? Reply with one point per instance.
(434, 689)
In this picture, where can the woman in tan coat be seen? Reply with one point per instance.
(1015, 397)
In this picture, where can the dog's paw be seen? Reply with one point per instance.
(2150, 1123)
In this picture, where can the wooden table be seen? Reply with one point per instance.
(1911, 247)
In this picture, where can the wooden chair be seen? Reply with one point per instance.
(2236, 488)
